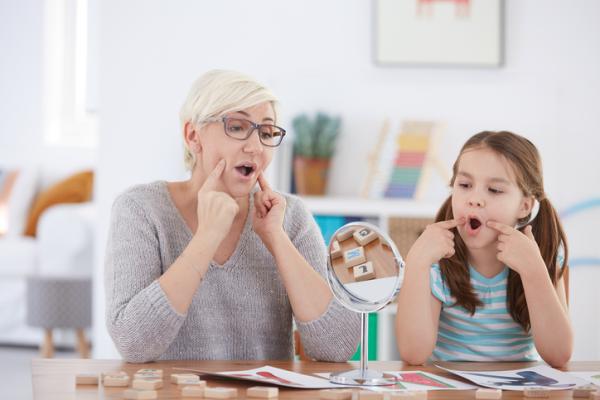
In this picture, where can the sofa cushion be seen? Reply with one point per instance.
(75, 189)
(7, 182)
(20, 199)
(17, 257)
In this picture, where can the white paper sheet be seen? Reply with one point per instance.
(417, 380)
(519, 379)
(592, 377)
(273, 376)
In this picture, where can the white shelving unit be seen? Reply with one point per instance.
(380, 210)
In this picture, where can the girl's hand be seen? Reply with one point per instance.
(435, 243)
(216, 210)
(269, 210)
(519, 251)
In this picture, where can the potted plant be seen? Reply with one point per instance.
(314, 145)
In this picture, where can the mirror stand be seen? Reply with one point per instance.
(363, 376)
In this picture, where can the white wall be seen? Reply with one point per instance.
(20, 77)
(21, 93)
(318, 55)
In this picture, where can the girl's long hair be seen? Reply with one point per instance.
(524, 157)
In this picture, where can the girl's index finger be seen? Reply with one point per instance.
(262, 182)
(507, 230)
(452, 223)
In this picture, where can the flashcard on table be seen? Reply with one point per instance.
(415, 381)
(592, 377)
(540, 376)
(269, 375)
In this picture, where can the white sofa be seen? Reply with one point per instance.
(63, 247)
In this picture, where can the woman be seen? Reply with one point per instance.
(211, 268)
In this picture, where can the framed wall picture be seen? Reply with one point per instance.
(438, 32)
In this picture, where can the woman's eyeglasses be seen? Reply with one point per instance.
(241, 129)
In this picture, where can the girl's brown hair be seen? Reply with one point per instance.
(523, 156)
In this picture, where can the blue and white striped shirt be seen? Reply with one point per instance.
(490, 334)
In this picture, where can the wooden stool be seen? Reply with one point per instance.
(53, 303)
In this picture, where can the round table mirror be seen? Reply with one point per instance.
(365, 272)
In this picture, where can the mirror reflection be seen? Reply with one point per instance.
(364, 263)
(365, 271)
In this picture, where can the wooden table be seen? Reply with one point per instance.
(55, 379)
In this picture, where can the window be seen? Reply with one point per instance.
(70, 78)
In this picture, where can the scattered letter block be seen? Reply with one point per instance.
(354, 257)
(262, 392)
(139, 394)
(583, 391)
(402, 395)
(86, 379)
(147, 384)
(368, 395)
(116, 380)
(180, 379)
(335, 394)
(536, 391)
(363, 272)
(364, 236)
(117, 373)
(193, 391)
(220, 393)
(488, 394)
(151, 371)
(345, 234)
(336, 251)
(139, 375)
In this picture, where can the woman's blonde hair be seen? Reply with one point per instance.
(217, 93)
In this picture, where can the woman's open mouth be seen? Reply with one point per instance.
(246, 169)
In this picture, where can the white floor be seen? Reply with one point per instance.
(15, 370)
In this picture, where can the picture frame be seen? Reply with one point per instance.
(438, 33)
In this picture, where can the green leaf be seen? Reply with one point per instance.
(315, 139)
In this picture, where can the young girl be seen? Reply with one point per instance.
(477, 286)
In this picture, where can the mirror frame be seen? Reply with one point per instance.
(350, 300)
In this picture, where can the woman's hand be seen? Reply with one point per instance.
(269, 210)
(216, 210)
(518, 250)
(435, 243)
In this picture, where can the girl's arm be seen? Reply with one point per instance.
(547, 304)
(418, 309)
(550, 324)
(418, 315)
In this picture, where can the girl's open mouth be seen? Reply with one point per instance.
(474, 225)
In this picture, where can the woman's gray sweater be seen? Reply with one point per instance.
(240, 311)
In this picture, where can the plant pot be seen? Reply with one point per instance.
(310, 175)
